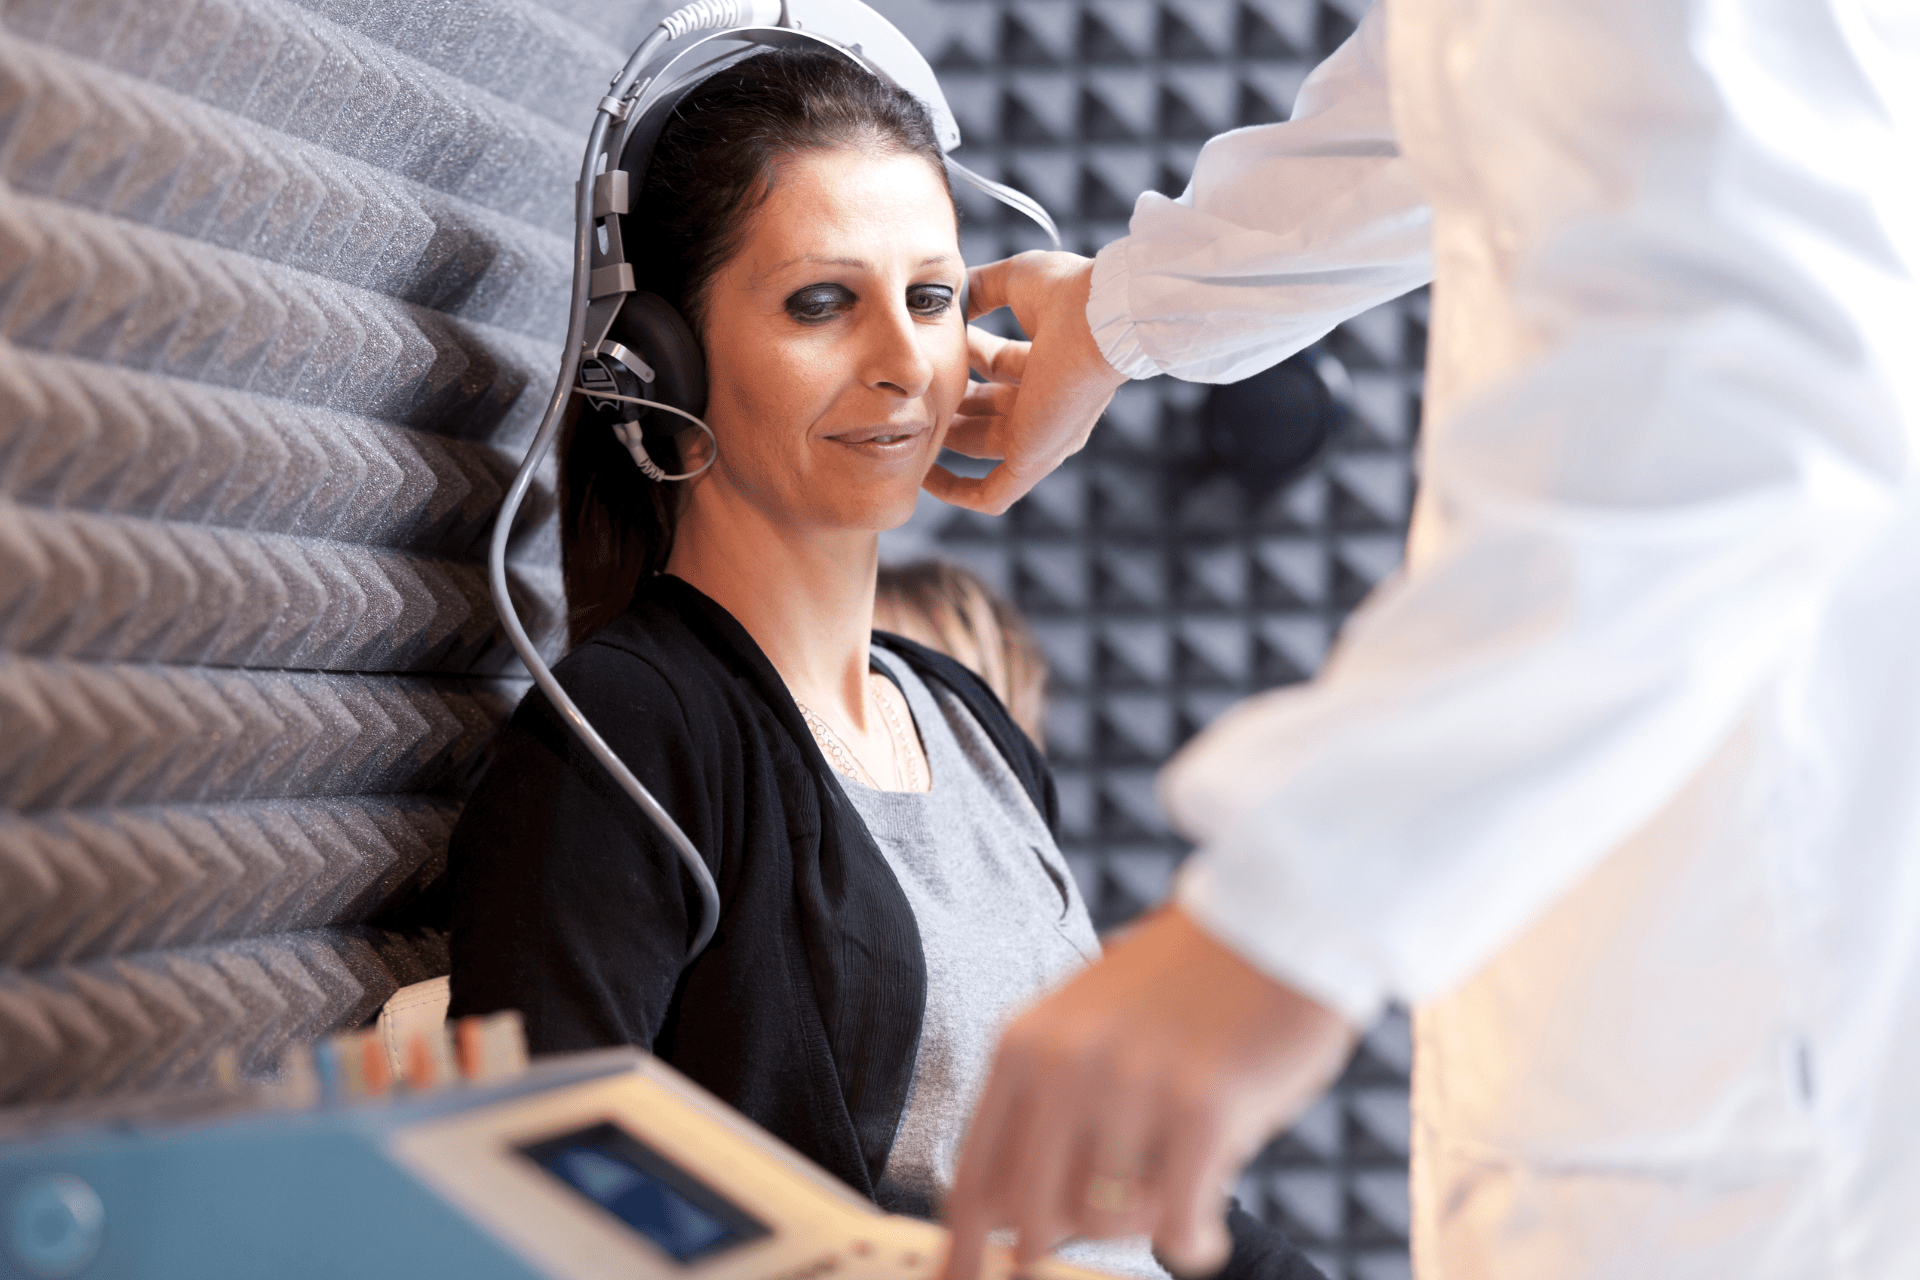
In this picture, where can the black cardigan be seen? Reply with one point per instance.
(804, 1011)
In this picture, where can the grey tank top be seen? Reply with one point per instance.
(1001, 922)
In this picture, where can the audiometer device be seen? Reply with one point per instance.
(586, 1167)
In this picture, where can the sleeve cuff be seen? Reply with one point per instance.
(1281, 940)
(1111, 320)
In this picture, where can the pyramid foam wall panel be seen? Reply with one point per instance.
(281, 289)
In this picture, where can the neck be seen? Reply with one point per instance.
(804, 595)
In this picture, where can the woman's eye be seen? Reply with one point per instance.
(818, 301)
(929, 299)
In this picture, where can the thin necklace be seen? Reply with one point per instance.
(902, 745)
(843, 759)
(906, 765)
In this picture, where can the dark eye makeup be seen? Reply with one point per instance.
(929, 299)
(816, 303)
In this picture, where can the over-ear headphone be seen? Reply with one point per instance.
(650, 359)
(628, 351)
(639, 353)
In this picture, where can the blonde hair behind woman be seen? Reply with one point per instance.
(949, 608)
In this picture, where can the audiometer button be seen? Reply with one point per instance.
(54, 1225)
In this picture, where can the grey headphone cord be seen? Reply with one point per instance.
(698, 16)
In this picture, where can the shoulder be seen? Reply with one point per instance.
(612, 685)
(932, 665)
(673, 646)
(611, 674)
(979, 698)
(643, 675)
(677, 678)
(624, 673)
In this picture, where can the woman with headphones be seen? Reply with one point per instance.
(878, 828)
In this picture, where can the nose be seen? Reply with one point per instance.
(896, 359)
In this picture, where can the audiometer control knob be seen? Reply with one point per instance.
(54, 1225)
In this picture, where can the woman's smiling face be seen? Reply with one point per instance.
(836, 348)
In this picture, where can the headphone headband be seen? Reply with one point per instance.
(699, 58)
(847, 27)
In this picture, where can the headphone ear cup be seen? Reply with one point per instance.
(649, 325)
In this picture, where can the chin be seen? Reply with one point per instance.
(880, 508)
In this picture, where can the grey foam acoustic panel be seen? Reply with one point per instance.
(281, 290)
(1163, 586)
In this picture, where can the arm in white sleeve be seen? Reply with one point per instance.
(1284, 231)
(1673, 394)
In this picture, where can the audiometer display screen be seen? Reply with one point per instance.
(683, 1217)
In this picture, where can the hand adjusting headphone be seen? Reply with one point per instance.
(628, 352)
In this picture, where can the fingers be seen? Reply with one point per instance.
(990, 494)
(979, 425)
(984, 399)
(1038, 1148)
(1201, 1249)
(966, 1248)
(972, 1210)
(1114, 1183)
(977, 437)
(1024, 1134)
(995, 358)
(1191, 1232)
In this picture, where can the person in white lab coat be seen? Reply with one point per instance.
(1618, 782)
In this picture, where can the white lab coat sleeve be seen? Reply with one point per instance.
(1284, 231)
(1679, 398)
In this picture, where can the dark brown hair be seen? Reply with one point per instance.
(712, 168)
(951, 608)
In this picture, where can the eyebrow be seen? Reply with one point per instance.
(859, 263)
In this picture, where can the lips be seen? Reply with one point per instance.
(880, 434)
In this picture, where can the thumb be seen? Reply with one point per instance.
(1202, 1250)
(987, 287)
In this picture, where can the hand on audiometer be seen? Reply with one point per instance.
(1125, 1102)
(1038, 404)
